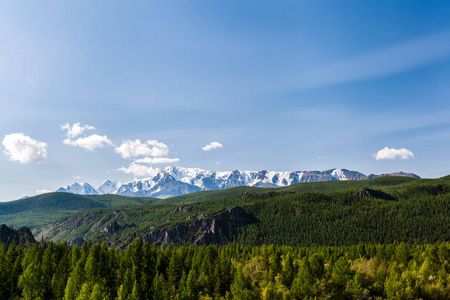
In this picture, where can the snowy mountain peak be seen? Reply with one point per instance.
(108, 187)
(79, 188)
(338, 174)
(174, 181)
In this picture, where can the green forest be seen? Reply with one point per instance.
(234, 271)
(385, 238)
(381, 210)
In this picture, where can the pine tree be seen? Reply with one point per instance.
(70, 292)
(48, 271)
(159, 288)
(341, 271)
(85, 292)
(135, 292)
(31, 282)
(302, 284)
(96, 293)
(240, 288)
(191, 290)
(78, 276)
(93, 266)
(402, 254)
(275, 265)
(174, 271)
(287, 272)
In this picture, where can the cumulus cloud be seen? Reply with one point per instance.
(391, 153)
(24, 149)
(212, 145)
(90, 142)
(136, 148)
(157, 160)
(139, 170)
(75, 129)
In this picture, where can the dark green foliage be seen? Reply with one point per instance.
(228, 272)
(420, 213)
(35, 212)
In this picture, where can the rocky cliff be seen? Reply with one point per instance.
(21, 236)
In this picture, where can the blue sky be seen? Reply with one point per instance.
(301, 85)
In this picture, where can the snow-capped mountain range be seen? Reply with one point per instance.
(175, 181)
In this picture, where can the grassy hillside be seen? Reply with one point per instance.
(412, 211)
(37, 211)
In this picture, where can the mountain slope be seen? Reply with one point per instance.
(411, 210)
(37, 211)
(175, 181)
(323, 186)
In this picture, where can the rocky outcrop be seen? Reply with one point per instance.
(203, 230)
(366, 192)
(76, 241)
(9, 235)
(114, 227)
(180, 209)
(111, 228)
(219, 230)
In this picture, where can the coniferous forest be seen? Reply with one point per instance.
(385, 242)
(224, 150)
(143, 271)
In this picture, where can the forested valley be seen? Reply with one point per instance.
(323, 241)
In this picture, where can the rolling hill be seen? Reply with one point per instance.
(34, 212)
(383, 210)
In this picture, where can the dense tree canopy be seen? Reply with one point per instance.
(143, 271)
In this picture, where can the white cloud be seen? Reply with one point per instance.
(391, 153)
(24, 149)
(157, 160)
(212, 145)
(43, 191)
(75, 129)
(90, 142)
(139, 170)
(137, 148)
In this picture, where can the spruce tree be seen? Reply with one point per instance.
(70, 292)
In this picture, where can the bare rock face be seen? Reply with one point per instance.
(114, 227)
(9, 235)
(203, 230)
(366, 192)
(111, 228)
(180, 210)
(76, 241)
(220, 229)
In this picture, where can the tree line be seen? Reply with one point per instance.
(143, 271)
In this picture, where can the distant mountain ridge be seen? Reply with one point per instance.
(175, 181)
